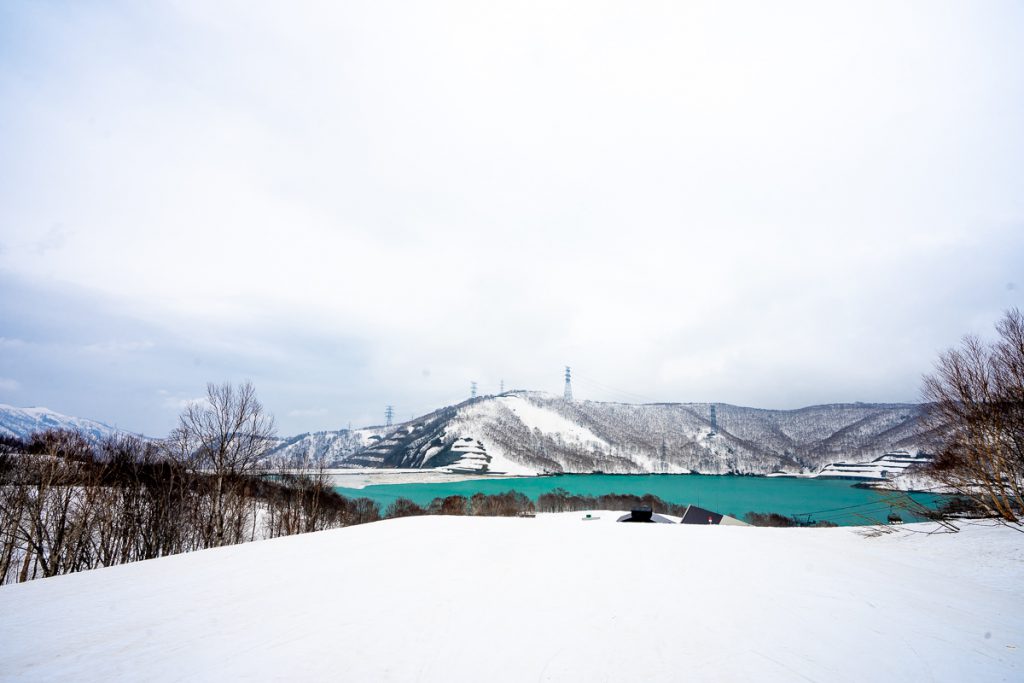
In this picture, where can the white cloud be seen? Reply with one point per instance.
(119, 347)
(7, 384)
(691, 201)
(307, 412)
(178, 404)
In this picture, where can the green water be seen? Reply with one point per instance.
(833, 500)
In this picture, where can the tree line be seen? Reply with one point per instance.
(508, 504)
(560, 500)
(67, 504)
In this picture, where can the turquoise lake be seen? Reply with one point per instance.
(833, 500)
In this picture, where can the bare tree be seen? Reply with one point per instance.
(403, 507)
(225, 436)
(12, 504)
(68, 504)
(976, 397)
(53, 522)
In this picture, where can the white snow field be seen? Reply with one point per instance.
(551, 598)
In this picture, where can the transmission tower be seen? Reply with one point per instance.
(389, 413)
(502, 390)
(472, 389)
(568, 383)
(714, 420)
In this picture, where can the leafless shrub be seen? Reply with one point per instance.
(403, 507)
(560, 500)
(771, 519)
(508, 504)
(449, 505)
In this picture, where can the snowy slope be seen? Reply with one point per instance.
(22, 422)
(888, 466)
(532, 432)
(545, 599)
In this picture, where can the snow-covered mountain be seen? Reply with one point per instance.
(531, 432)
(22, 422)
(336, 447)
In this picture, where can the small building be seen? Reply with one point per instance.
(692, 515)
(698, 515)
(644, 515)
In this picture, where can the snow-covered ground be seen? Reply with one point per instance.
(914, 481)
(550, 598)
(549, 422)
(369, 476)
(896, 471)
(887, 466)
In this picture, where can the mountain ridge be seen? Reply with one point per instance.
(524, 432)
(20, 423)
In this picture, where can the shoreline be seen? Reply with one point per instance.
(360, 478)
(363, 477)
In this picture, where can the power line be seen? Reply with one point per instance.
(441, 404)
(887, 501)
(588, 380)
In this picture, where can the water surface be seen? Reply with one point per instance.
(822, 499)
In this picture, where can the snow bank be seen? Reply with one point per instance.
(550, 598)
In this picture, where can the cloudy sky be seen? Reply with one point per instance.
(367, 203)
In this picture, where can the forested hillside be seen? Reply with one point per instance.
(532, 432)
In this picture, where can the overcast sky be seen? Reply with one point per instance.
(367, 203)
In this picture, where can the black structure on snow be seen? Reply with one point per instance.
(696, 515)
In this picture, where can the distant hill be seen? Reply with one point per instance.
(337, 447)
(532, 432)
(22, 422)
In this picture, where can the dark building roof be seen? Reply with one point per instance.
(640, 514)
(644, 514)
(696, 515)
